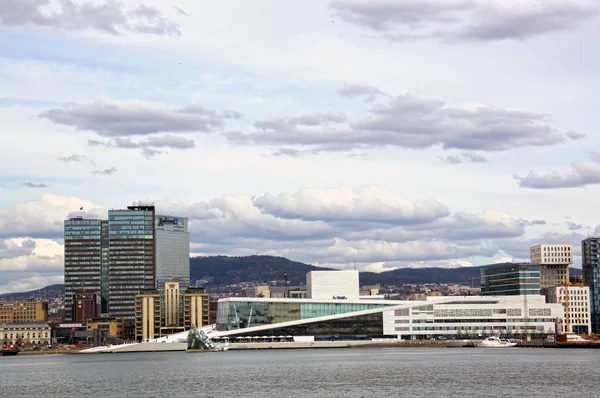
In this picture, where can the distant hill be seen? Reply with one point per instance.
(223, 270)
(52, 291)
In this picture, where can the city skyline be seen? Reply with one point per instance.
(367, 134)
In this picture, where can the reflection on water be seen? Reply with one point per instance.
(358, 372)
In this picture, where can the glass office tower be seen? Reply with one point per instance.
(86, 260)
(510, 279)
(590, 262)
(132, 258)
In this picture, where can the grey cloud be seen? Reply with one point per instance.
(161, 141)
(597, 230)
(291, 124)
(294, 153)
(573, 226)
(35, 185)
(10, 251)
(71, 158)
(582, 174)
(465, 157)
(573, 135)
(107, 17)
(595, 155)
(114, 118)
(179, 10)
(149, 152)
(105, 172)
(411, 122)
(360, 90)
(459, 20)
(535, 222)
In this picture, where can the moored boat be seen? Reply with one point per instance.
(495, 342)
(8, 353)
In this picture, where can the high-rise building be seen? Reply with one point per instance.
(590, 261)
(578, 310)
(554, 261)
(86, 260)
(172, 251)
(510, 279)
(132, 258)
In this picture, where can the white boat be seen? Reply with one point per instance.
(495, 342)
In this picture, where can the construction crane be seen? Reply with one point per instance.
(472, 279)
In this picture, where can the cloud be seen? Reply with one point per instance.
(71, 158)
(465, 157)
(359, 90)
(291, 152)
(582, 174)
(179, 10)
(31, 255)
(35, 185)
(573, 226)
(148, 146)
(409, 121)
(114, 118)
(40, 218)
(465, 20)
(105, 172)
(108, 16)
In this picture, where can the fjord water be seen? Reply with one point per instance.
(358, 372)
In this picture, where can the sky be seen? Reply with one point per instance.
(375, 134)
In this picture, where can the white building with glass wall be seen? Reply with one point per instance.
(331, 316)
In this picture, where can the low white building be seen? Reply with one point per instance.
(579, 310)
(25, 333)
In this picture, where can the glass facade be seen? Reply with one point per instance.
(85, 244)
(591, 277)
(351, 328)
(510, 280)
(131, 257)
(233, 315)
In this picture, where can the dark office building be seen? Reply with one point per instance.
(86, 305)
(510, 279)
(590, 262)
(132, 258)
(86, 260)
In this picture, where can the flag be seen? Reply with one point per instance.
(81, 208)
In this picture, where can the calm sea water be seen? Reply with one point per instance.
(359, 372)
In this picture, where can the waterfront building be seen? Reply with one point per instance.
(510, 279)
(85, 305)
(111, 326)
(333, 317)
(576, 307)
(172, 251)
(591, 277)
(148, 314)
(132, 258)
(29, 333)
(170, 310)
(468, 316)
(23, 311)
(554, 261)
(196, 307)
(86, 260)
